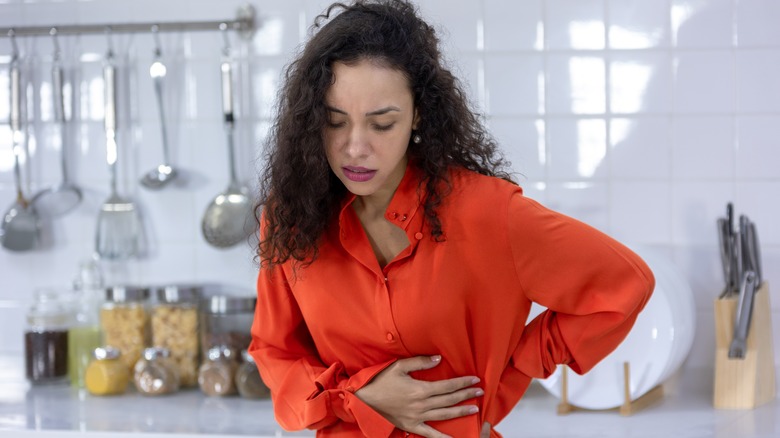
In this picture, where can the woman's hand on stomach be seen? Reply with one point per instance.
(409, 403)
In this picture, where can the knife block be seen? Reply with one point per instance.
(749, 382)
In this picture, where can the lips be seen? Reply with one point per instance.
(358, 174)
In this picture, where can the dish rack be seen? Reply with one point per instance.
(627, 408)
(748, 382)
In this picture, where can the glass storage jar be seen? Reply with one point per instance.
(248, 380)
(155, 373)
(124, 321)
(226, 320)
(174, 322)
(217, 374)
(106, 374)
(46, 338)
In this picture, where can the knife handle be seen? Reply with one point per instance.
(738, 347)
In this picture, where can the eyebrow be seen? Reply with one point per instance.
(378, 112)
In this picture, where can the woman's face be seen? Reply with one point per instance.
(370, 120)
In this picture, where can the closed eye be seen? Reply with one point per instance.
(384, 127)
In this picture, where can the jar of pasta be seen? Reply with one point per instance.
(124, 321)
(155, 373)
(174, 322)
(106, 374)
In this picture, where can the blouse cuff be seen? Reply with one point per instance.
(335, 397)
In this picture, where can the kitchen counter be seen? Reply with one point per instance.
(60, 411)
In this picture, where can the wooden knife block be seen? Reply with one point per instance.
(749, 382)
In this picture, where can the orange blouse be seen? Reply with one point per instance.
(324, 333)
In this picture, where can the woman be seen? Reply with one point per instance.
(399, 263)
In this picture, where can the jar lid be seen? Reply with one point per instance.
(229, 304)
(247, 357)
(120, 294)
(220, 352)
(178, 293)
(152, 353)
(49, 309)
(106, 353)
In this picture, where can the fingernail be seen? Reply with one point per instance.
(475, 380)
(479, 392)
(473, 410)
(436, 358)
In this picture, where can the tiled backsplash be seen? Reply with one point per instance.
(641, 118)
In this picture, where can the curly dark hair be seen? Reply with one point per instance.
(299, 193)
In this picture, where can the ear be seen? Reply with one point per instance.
(416, 119)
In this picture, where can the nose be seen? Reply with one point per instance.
(357, 144)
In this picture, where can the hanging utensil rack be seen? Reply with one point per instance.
(243, 24)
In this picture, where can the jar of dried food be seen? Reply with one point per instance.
(124, 321)
(46, 338)
(248, 380)
(226, 320)
(106, 374)
(217, 374)
(155, 373)
(174, 324)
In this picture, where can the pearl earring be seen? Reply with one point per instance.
(416, 139)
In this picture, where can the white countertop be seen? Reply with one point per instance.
(60, 411)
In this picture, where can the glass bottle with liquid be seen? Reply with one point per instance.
(84, 336)
(46, 338)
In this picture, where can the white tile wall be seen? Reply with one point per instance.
(640, 118)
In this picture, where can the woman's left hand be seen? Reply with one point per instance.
(485, 430)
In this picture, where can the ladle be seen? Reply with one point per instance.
(57, 200)
(163, 174)
(20, 227)
(227, 219)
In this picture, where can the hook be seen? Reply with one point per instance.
(15, 48)
(157, 45)
(224, 28)
(53, 33)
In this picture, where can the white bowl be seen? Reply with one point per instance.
(655, 347)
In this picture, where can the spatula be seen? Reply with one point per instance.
(118, 223)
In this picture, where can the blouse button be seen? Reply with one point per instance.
(403, 218)
(341, 395)
(350, 389)
(390, 337)
(394, 215)
(418, 236)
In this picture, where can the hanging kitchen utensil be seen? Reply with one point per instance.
(229, 218)
(118, 225)
(20, 228)
(64, 197)
(163, 174)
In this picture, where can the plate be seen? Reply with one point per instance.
(656, 346)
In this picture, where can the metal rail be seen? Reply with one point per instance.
(244, 24)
